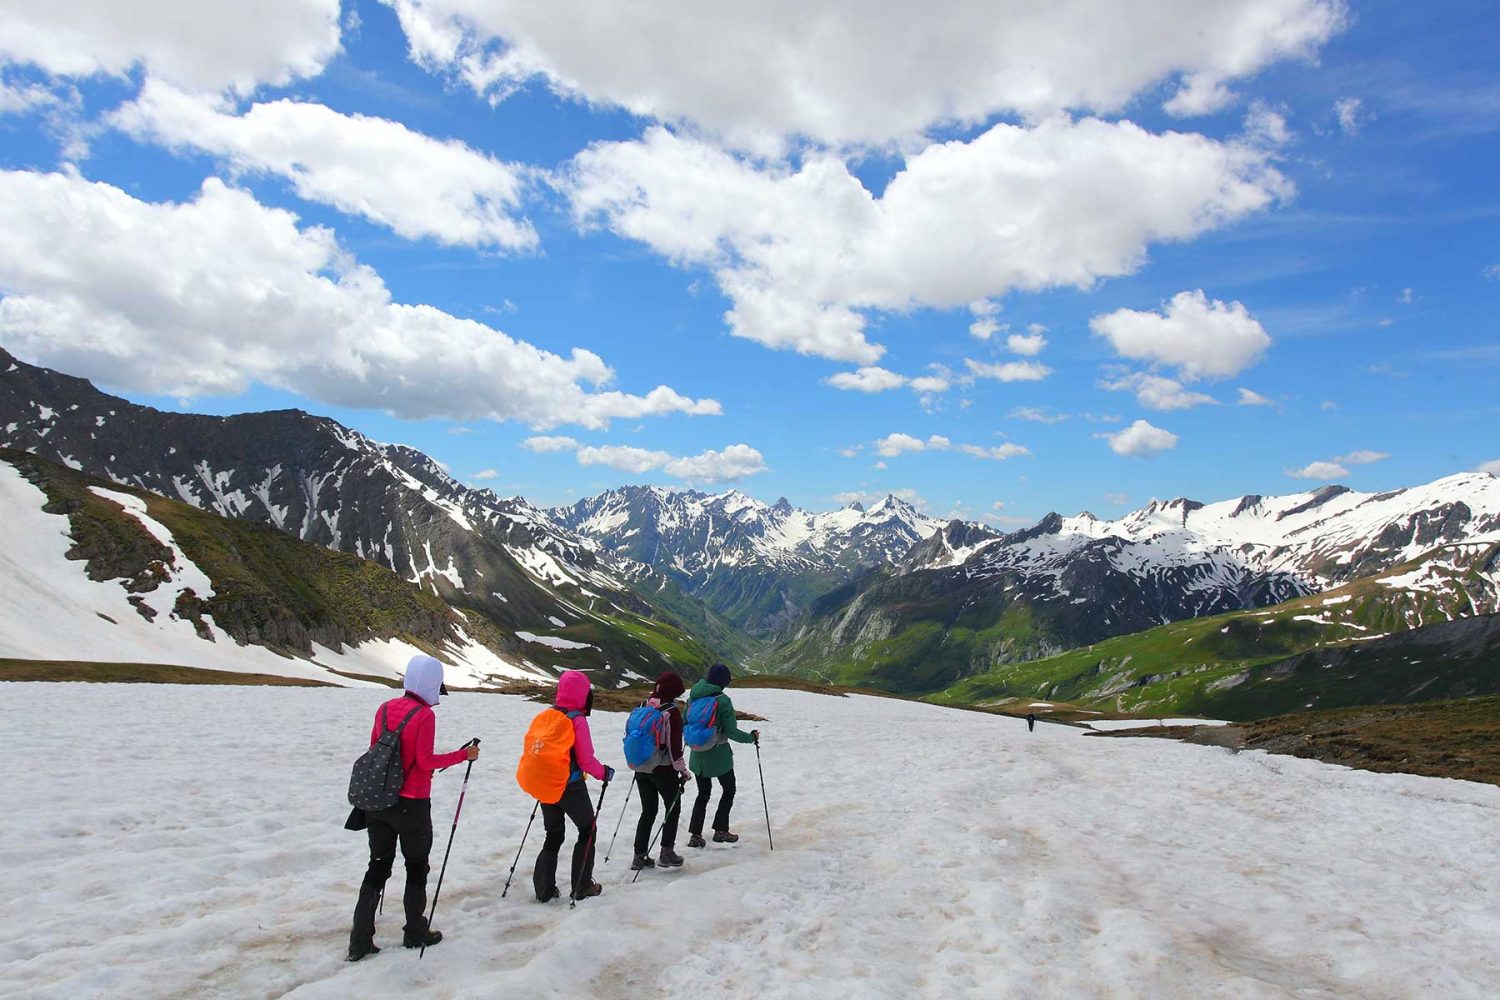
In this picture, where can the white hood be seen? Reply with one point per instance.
(424, 678)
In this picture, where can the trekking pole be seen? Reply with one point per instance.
(763, 795)
(623, 810)
(444, 870)
(513, 864)
(675, 804)
(589, 849)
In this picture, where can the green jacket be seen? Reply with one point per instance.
(720, 760)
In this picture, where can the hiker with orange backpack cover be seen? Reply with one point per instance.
(558, 752)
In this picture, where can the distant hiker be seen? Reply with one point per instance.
(409, 821)
(661, 775)
(1030, 722)
(557, 754)
(709, 725)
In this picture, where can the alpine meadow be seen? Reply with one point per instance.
(657, 500)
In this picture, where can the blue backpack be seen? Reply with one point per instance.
(646, 735)
(700, 728)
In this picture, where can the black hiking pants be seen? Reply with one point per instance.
(573, 805)
(408, 823)
(652, 787)
(700, 804)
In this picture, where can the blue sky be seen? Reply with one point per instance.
(1295, 199)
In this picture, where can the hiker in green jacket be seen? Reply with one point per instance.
(717, 762)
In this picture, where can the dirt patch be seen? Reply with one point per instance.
(77, 671)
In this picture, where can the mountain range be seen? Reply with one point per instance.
(641, 577)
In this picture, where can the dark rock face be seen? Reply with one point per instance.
(330, 486)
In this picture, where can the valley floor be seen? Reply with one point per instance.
(173, 841)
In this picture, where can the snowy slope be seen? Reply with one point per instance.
(976, 861)
(51, 610)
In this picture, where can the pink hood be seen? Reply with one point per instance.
(572, 691)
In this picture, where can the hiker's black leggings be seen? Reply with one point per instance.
(573, 805)
(652, 787)
(408, 823)
(700, 804)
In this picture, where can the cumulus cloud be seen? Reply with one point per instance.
(1201, 338)
(208, 296)
(1249, 397)
(860, 71)
(894, 445)
(487, 474)
(1199, 94)
(20, 98)
(1319, 470)
(1008, 371)
(1028, 344)
(805, 254)
(550, 443)
(733, 463)
(869, 379)
(421, 187)
(1156, 392)
(985, 324)
(230, 46)
(1338, 467)
(1140, 440)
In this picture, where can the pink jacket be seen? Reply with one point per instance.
(573, 696)
(417, 759)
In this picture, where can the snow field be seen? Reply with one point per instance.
(172, 841)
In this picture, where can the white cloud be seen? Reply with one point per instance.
(858, 71)
(1265, 126)
(1319, 470)
(1199, 95)
(1362, 457)
(459, 431)
(1202, 339)
(419, 186)
(985, 325)
(1140, 440)
(230, 45)
(1156, 392)
(1407, 297)
(804, 254)
(1491, 272)
(1329, 404)
(1037, 415)
(872, 379)
(1118, 499)
(869, 379)
(550, 443)
(1008, 371)
(733, 463)
(1492, 467)
(1349, 110)
(209, 296)
(894, 445)
(487, 474)
(1028, 344)
(20, 98)
(1249, 397)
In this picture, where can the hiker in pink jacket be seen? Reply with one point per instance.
(575, 696)
(409, 822)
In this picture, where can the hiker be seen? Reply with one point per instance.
(713, 757)
(664, 782)
(409, 822)
(1031, 722)
(556, 757)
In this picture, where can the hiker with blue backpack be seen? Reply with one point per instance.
(557, 753)
(401, 761)
(653, 749)
(708, 728)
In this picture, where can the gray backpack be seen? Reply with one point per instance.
(375, 783)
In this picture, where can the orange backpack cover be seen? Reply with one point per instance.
(547, 756)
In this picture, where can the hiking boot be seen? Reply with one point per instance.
(696, 840)
(641, 861)
(359, 951)
(424, 940)
(592, 889)
(725, 837)
(556, 893)
(670, 858)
